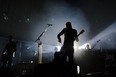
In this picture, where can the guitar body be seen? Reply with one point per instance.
(77, 39)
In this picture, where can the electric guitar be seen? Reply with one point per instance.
(81, 32)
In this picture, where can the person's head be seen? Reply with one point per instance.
(68, 25)
(87, 46)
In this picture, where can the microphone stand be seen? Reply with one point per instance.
(95, 44)
(40, 44)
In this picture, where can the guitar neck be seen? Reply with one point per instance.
(82, 31)
(78, 35)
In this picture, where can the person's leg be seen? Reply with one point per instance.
(72, 65)
(63, 54)
(4, 61)
(4, 64)
(10, 61)
(71, 56)
(9, 64)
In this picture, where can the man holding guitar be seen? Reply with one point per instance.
(8, 52)
(70, 35)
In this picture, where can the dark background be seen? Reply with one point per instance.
(27, 19)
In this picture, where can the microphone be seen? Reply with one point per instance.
(49, 24)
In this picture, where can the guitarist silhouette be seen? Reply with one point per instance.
(9, 50)
(70, 35)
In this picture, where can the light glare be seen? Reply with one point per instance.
(58, 48)
(84, 46)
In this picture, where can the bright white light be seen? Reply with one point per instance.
(28, 19)
(84, 46)
(104, 36)
(5, 16)
(75, 46)
(31, 61)
(78, 70)
(57, 48)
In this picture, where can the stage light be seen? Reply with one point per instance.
(78, 69)
(31, 61)
(57, 48)
(75, 46)
(84, 46)
(103, 39)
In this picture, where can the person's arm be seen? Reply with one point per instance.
(76, 36)
(13, 54)
(5, 48)
(58, 36)
(15, 48)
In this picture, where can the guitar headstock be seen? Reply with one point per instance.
(82, 31)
